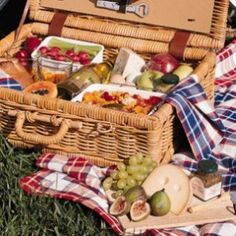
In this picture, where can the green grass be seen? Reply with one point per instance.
(22, 214)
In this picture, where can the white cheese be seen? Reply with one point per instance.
(176, 184)
(128, 63)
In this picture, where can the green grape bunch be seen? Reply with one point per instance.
(130, 174)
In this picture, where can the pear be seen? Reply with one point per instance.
(183, 71)
(160, 203)
(145, 81)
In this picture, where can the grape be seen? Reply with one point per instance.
(132, 169)
(121, 183)
(131, 181)
(122, 174)
(133, 160)
(117, 193)
(139, 177)
(154, 164)
(150, 168)
(114, 175)
(139, 157)
(147, 160)
(143, 169)
(106, 184)
(121, 166)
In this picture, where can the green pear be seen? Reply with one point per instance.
(160, 203)
(145, 81)
(183, 71)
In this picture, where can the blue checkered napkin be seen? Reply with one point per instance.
(211, 130)
(8, 82)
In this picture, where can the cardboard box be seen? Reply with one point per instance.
(188, 15)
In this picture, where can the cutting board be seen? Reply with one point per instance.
(217, 210)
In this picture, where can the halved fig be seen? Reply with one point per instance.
(120, 206)
(139, 210)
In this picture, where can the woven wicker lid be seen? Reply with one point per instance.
(142, 38)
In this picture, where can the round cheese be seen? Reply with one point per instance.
(176, 184)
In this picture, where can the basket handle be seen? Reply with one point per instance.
(22, 21)
(38, 138)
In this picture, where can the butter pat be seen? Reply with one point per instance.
(128, 63)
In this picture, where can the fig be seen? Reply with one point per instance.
(136, 193)
(160, 203)
(120, 206)
(139, 210)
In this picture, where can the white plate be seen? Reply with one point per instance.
(117, 88)
(76, 65)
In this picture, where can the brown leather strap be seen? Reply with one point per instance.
(178, 43)
(57, 23)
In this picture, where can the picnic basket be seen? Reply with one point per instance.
(104, 136)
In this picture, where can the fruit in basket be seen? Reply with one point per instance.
(43, 88)
(139, 210)
(147, 78)
(92, 50)
(163, 62)
(56, 53)
(122, 101)
(119, 207)
(183, 70)
(170, 79)
(135, 193)
(22, 54)
(32, 43)
(160, 203)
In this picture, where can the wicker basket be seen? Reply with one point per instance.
(103, 136)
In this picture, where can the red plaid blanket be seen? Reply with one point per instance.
(75, 179)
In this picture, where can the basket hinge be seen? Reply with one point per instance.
(57, 23)
(179, 43)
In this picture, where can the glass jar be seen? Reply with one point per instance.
(206, 181)
(85, 76)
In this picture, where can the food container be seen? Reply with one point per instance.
(104, 136)
(96, 58)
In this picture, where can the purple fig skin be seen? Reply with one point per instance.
(136, 193)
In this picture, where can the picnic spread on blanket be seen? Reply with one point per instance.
(135, 120)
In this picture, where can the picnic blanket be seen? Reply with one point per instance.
(211, 132)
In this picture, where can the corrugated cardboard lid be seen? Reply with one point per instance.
(82, 20)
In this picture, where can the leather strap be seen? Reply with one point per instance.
(123, 4)
(57, 23)
(178, 43)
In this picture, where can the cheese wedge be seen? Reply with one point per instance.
(176, 184)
